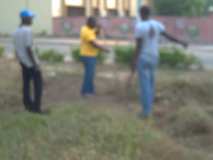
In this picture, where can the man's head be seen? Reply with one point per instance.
(91, 22)
(26, 17)
(145, 12)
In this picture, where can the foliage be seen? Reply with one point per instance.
(177, 58)
(208, 6)
(1, 51)
(169, 57)
(51, 56)
(193, 32)
(75, 53)
(124, 54)
(180, 7)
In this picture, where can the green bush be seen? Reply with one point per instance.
(177, 58)
(1, 51)
(75, 53)
(169, 56)
(51, 56)
(123, 54)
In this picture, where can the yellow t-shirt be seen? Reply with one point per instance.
(87, 35)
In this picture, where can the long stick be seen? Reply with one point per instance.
(129, 86)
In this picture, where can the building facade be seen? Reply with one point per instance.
(115, 16)
(49, 10)
(102, 8)
(9, 17)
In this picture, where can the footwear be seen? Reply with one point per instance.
(148, 120)
(142, 116)
(44, 112)
(88, 95)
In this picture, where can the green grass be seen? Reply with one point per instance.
(1, 51)
(103, 129)
(78, 133)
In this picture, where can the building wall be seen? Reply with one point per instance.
(89, 6)
(9, 16)
(192, 29)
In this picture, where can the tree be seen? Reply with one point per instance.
(180, 7)
(208, 6)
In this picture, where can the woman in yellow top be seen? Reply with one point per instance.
(89, 52)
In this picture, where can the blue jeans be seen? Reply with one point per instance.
(146, 73)
(89, 75)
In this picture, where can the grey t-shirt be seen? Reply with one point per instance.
(22, 39)
(150, 32)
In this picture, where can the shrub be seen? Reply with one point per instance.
(123, 54)
(51, 56)
(170, 57)
(75, 53)
(177, 58)
(1, 51)
(43, 33)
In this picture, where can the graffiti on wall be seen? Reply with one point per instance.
(192, 29)
(193, 32)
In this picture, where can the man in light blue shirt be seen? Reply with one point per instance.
(146, 57)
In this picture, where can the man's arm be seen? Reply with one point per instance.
(32, 59)
(28, 46)
(139, 44)
(96, 45)
(173, 39)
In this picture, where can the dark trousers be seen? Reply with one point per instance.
(32, 99)
(89, 75)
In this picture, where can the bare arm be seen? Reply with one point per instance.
(139, 44)
(96, 45)
(173, 39)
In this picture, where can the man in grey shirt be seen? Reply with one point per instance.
(23, 42)
(147, 34)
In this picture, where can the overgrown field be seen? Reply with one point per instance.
(103, 127)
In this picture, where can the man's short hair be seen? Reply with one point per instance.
(91, 20)
(145, 10)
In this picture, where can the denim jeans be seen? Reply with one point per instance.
(32, 102)
(89, 75)
(146, 72)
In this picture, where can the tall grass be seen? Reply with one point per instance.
(1, 51)
(77, 133)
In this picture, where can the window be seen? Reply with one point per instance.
(126, 7)
(96, 7)
(75, 7)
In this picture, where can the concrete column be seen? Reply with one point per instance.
(63, 8)
(88, 7)
(121, 8)
(103, 11)
(133, 8)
